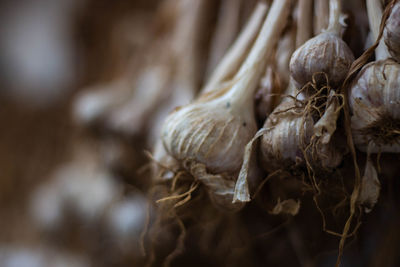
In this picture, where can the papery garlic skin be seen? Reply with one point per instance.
(375, 105)
(291, 131)
(324, 53)
(212, 133)
(209, 139)
(391, 33)
(281, 146)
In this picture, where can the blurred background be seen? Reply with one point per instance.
(84, 87)
(58, 207)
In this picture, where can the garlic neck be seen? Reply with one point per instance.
(374, 9)
(246, 79)
(304, 22)
(335, 9)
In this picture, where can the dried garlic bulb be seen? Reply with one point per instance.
(290, 139)
(281, 146)
(375, 104)
(208, 136)
(290, 131)
(392, 32)
(326, 52)
(225, 70)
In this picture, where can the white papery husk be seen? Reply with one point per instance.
(370, 187)
(375, 105)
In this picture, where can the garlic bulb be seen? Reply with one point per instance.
(326, 52)
(208, 136)
(289, 136)
(392, 32)
(281, 146)
(230, 63)
(375, 105)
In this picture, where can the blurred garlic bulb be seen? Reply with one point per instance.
(392, 32)
(208, 136)
(326, 52)
(375, 105)
(94, 103)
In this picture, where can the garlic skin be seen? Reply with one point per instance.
(324, 53)
(213, 133)
(280, 147)
(215, 136)
(391, 33)
(374, 99)
(209, 139)
(291, 129)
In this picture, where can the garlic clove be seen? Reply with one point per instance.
(324, 53)
(375, 105)
(392, 32)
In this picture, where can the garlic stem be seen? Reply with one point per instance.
(335, 9)
(321, 13)
(247, 77)
(304, 23)
(233, 58)
(225, 32)
(375, 12)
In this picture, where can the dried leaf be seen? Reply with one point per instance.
(370, 187)
(326, 126)
(241, 193)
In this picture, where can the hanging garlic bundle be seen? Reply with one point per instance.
(292, 126)
(326, 52)
(374, 99)
(293, 135)
(208, 136)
